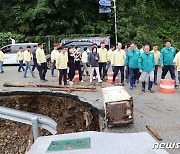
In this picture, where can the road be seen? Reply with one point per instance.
(159, 110)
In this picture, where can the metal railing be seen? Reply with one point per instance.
(37, 121)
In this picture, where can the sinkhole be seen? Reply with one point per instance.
(68, 111)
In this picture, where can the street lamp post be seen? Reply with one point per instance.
(115, 20)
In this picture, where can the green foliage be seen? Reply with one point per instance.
(151, 21)
(5, 38)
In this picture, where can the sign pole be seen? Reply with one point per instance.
(115, 20)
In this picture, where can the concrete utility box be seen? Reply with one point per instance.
(118, 105)
(96, 143)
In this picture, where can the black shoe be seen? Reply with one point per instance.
(121, 84)
(19, 71)
(155, 83)
(143, 86)
(150, 87)
(45, 80)
(112, 83)
(151, 90)
(176, 86)
(25, 76)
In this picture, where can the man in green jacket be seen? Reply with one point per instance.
(146, 67)
(132, 57)
(166, 60)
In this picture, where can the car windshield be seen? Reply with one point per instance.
(6, 49)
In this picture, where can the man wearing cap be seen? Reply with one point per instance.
(20, 58)
(42, 63)
(27, 60)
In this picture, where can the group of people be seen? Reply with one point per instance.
(144, 63)
(130, 61)
(37, 55)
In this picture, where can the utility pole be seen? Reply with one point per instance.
(115, 20)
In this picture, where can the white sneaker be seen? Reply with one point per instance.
(71, 82)
(100, 81)
(91, 80)
(82, 81)
(94, 78)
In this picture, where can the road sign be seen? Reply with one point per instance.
(106, 10)
(105, 3)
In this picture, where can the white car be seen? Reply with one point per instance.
(10, 51)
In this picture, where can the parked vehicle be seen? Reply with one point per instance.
(72, 43)
(10, 51)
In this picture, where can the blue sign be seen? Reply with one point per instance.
(106, 10)
(105, 3)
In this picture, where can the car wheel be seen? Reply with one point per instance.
(49, 64)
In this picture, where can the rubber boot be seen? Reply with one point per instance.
(155, 79)
(150, 87)
(143, 86)
(131, 84)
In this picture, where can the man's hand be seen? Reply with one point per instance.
(39, 64)
(162, 65)
(140, 71)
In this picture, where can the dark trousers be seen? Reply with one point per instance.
(21, 65)
(78, 67)
(179, 76)
(34, 65)
(116, 70)
(127, 73)
(71, 72)
(133, 75)
(139, 74)
(63, 74)
(169, 68)
(155, 73)
(94, 74)
(42, 71)
(53, 68)
(102, 66)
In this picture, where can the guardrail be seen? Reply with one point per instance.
(37, 121)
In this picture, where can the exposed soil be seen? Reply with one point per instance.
(70, 114)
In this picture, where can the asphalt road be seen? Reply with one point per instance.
(159, 110)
